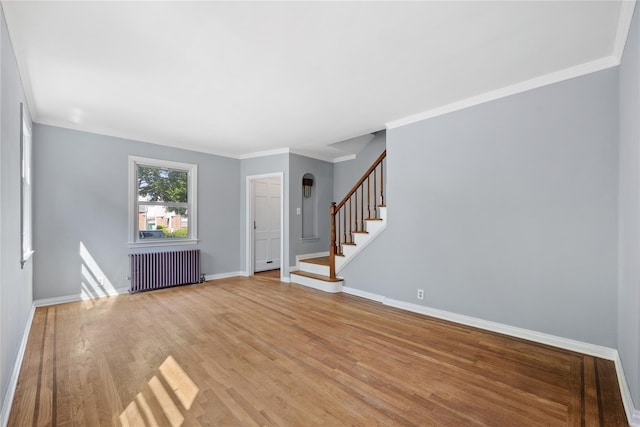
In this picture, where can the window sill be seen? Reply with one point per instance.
(162, 242)
(26, 256)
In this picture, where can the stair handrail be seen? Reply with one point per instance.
(335, 209)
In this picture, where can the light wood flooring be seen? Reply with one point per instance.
(255, 351)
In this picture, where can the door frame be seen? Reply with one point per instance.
(249, 220)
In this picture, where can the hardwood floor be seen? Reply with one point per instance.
(254, 351)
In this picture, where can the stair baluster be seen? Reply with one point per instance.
(362, 208)
(381, 184)
(336, 210)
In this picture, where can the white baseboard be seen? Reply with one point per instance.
(76, 297)
(363, 294)
(539, 337)
(119, 291)
(633, 414)
(13, 381)
(225, 275)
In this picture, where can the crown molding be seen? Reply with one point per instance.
(548, 79)
(264, 153)
(624, 25)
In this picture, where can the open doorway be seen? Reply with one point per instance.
(265, 224)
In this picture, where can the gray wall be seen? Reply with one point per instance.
(322, 191)
(15, 283)
(260, 166)
(629, 202)
(347, 173)
(507, 212)
(81, 197)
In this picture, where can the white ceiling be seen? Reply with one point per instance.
(236, 78)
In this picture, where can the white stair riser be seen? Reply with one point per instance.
(314, 268)
(321, 285)
(383, 212)
(349, 250)
(373, 226)
(360, 238)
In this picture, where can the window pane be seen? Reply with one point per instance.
(162, 222)
(163, 202)
(162, 184)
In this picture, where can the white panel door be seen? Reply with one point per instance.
(266, 226)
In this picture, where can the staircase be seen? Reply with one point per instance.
(355, 222)
(314, 273)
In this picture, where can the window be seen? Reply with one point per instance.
(25, 189)
(162, 202)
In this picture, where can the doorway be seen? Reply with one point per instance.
(265, 215)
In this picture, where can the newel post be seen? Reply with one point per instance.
(332, 248)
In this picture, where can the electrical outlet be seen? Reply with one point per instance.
(420, 293)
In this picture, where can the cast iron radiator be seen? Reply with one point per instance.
(164, 269)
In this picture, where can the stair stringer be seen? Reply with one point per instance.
(374, 228)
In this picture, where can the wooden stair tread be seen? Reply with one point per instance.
(373, 219)
(322, 260)
(316, 276)
(348, 243)
(360, 232)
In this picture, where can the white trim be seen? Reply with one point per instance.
(555, 77)
(296, 150)
(162, 243)
(264, 153)
(13, 380)
(300, 257)
(367, 239)
(192, 169)
(301, 152)
(223, 275)
(249, 222)
(624, 25)
(27, 255)
(539, 337)
(344, 158)
(285, 279)
(321, 285)
(363, 294)
(633, 415)
(44, 302)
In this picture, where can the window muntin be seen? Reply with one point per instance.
(163, 202)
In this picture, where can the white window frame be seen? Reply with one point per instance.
(26, 189)
(192, 198)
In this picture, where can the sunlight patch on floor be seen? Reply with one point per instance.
(177, 383)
